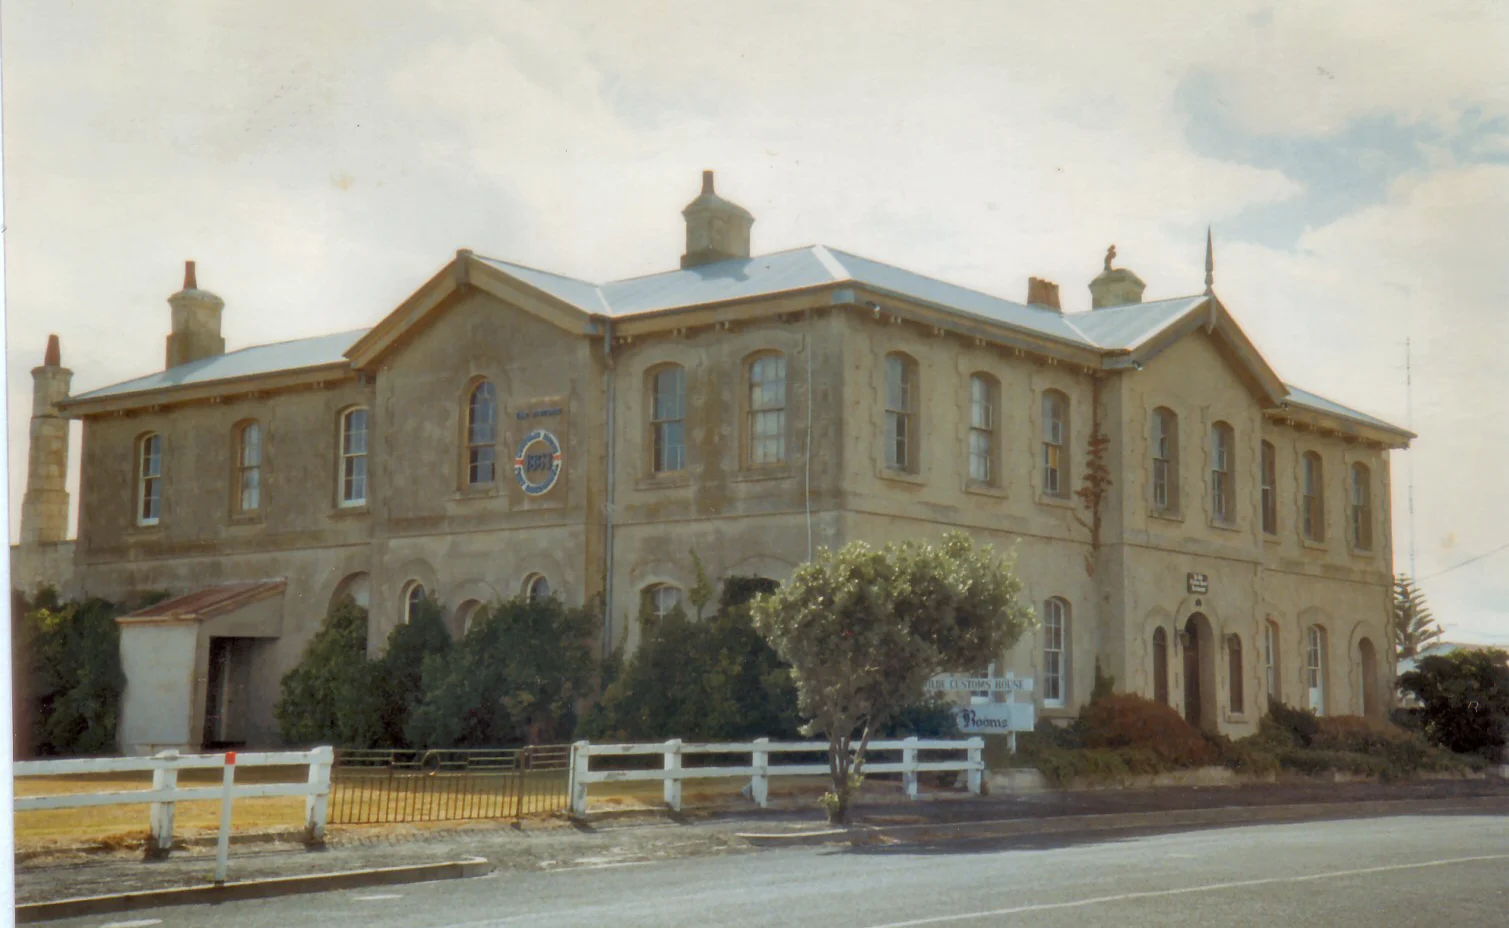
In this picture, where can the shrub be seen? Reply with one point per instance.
(74, 676)
(1464, 700)
(1060, 766)
(1128, 720)
(332, 696)
(399, 673)
(1300, 724)
(933, 718)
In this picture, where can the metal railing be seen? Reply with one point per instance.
(165, 791)
(373, 787)
(672, 773)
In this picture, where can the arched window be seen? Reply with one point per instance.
(901, 413)
(1315, 668)
(1234, 674)
(984, 444)
(1160, 665)
(1314, 498)
(413, 601)
(536, 588)
(662, 599)
(1055, 653)
(148, 479)
(482, 435)
(353, 481)
(668, 419)
(1272, 675)
(1165, 448)
(249, 468)
(1270, 489)
(1223, 480)
(467, 613)
(1362, 508)
(767, 409)
(1055, 443)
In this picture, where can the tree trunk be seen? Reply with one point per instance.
(838, 768)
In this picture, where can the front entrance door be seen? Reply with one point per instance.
(1192, 672)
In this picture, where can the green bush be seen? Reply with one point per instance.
(514, 678)
(710, 680)
(399, 673)
(1300, 724)
(1464, 700)
(931, 718)
(333, 695)
(74, 679)
(1126, 720)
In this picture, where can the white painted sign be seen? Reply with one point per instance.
(996, 717)
(959, 683)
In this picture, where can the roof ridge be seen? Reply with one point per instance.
(678, 270)
(538, 270)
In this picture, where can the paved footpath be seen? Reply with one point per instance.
(607, 841)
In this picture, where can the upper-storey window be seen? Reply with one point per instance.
(767, 409)
(1055, 450)
(1270, 488)
(353, 481)
(482, 434)
(1165, 461)
(1314, 498)
(148, 479)
(249, 468)
(984, 450)
(1362, 508)
(1223, 481)
(668, 419)
(901, 413)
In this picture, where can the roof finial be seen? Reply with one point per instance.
(1210, 265)
(1110, 253)
(707, 181)
(189, 282)
(54, 355)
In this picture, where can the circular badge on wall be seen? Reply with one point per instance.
(537, 464)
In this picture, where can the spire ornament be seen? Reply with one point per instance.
(1110, 255)
(1210, 265)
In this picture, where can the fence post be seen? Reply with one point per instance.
(977, 764)
(317, 803)
(163, 777)
(909, 765)
(759, 783)
(223, 846)
(672, 768)
(581, 756)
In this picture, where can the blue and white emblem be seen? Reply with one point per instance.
(537, 465)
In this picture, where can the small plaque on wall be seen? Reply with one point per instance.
(1198, 583)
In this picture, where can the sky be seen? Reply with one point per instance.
(320, 161)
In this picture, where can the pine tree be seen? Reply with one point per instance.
(1414, 627)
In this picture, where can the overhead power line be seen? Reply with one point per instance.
(1471, 560)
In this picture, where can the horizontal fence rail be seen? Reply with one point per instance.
(673, 771)
(165, 791)
(370, 787)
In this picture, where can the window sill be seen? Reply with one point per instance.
(1056, 712)
(491, 491)
(759, 472)
(667, 481)
(1062, 502)
(1314, 545)
(241, 518)
(1362, 553)
(984, 489)
(1239, 718)
(145, 530)
(900, 476)
(1225, 526)
(1271, 538)
(1167, 515)
(340, 512)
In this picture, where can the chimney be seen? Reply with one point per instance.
(1115, 286)
(1043, 293)
(196, 322)
(716, 230)
(44, 508)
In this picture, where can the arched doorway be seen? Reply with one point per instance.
(1369, 659)
(1198, 640)
(1160, 665)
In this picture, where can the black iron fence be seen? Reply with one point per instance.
(371, 787)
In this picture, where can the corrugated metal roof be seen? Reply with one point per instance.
(585, 296)
(1319, 403)
(248, 362)
(209, 601)
(1121, 328)
(735, 279)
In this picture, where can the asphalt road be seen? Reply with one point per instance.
(1372, 873)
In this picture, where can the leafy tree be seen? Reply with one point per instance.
(1464, 700)
(332, 696)
(400, 671)
(864, 629)
(514, 678)
(74, 678)
(714, 680)
(1414, 627)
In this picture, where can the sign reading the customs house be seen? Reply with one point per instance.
(959, 683)
(539, 448)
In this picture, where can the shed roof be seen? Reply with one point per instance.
(208, 602)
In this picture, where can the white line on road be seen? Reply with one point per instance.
(139, 923)
(1212, 887)
(378, 898)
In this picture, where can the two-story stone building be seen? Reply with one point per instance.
(508, 431)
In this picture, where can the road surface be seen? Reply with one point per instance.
(1371, 873)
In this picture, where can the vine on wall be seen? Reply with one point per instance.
(1097, 476)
